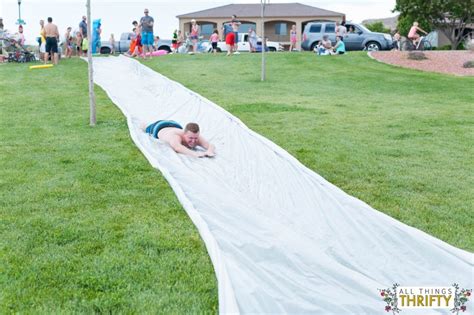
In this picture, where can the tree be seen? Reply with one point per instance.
(377, 27)
(448, 16)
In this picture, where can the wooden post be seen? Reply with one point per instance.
(262, 2)
(92, 117)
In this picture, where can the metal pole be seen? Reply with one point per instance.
(262, 2)
(92, 117)
(20, 21)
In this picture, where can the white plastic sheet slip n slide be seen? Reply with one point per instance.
(281, 238)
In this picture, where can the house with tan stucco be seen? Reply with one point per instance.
(279, 17)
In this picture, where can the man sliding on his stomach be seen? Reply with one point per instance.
(182, 141)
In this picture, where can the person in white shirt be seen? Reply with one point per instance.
(341, 30)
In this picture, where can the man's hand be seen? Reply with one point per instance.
(205, 154)
(210, 153)
(200, 154)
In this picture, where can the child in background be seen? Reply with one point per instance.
(413, 33)
(214, 39)
(85, 46)
(194, 36)
(21, 36)
(155, 43)
(79, 44)
(396, 40)
(136, 46)
(174, 41)
(68, 42)
(180, 38)
(292, 38)
(112, 44)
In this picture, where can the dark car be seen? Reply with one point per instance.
(358, 37)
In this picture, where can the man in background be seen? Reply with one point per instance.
(83, 31)
(83, 27)
(146, 24)
(52, 36)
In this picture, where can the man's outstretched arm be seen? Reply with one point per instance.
(175, 143)
(208, 146)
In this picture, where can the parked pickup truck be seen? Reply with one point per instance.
(122, 45)
(243, 44)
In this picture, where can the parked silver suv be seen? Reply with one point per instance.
(358, 37)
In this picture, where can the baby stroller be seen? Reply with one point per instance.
(202, 46)
(16, 52)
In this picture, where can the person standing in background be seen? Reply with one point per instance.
(396, 40)
(21, 36)
(180, 40)
(214, 39)
(42, 40)
(235, 28)
(83, 30)
(252, 40)
(293, 38)
(52, 35)
(174, 42)
(83, 26)
(341, 30)
(79, 43)
(194, 34)
(146, 25)
(112, 44)
(68, 42)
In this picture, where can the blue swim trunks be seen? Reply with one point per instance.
(147, 38)
(155, 127)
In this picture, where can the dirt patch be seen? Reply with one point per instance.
(450, 62)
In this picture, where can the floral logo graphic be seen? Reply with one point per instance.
(389, 296)
(461, 297)
(425, 297)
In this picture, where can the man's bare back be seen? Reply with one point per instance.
(171, 134)
(51, 30)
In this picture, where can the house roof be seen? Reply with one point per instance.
(253, 10)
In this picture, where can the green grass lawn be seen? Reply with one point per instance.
(86, 225)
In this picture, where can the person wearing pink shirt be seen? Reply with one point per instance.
(194, 34)
(413, 33)
(214, 39)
